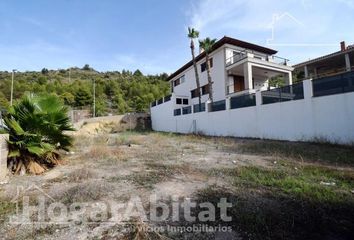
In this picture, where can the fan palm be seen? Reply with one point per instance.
(193, 34)
(207, 44)
(36, 126)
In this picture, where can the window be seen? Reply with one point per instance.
(176, 82)
(183, 101)
(179, 81)
(194, 93)
(182, 79)
(203, 66)
(205, 89)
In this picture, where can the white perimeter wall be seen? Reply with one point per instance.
(328, 118)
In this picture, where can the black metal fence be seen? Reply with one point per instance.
(243, 101)
(218, 106)
(283, 94)
(159, 101)
(341, 83)
(187, 110)
(199, 108)
(167, 98)
(177, 112)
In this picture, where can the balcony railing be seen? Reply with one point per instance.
(198, 108)
(161, 100)
(279, 60)
(218, 106)
(283, 94)
(237, 57)
(243, 101)
(341, 83)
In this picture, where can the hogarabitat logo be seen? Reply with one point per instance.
(44, 209)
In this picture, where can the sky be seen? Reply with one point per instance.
(150, 35)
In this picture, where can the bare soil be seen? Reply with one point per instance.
(106, 167)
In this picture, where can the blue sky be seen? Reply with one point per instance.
(150, 35)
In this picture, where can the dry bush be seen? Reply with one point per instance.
(105, 154)
(80, 174)
(84, 192)
(141, 232)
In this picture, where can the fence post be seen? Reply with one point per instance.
(258, 98)
(227, 103)
(308, 91)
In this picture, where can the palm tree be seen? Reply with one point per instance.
(36, 126)
(192, 34)
(207, 44)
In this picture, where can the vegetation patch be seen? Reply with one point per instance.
(85, 192)
(80, 175)
(154, 174)
(300, 151)
(267, 215)
(6, 208)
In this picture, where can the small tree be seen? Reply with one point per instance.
(207, 44)
(36, 126)
(86, 67)
(45, 71)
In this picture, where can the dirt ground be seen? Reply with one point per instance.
(115, 167)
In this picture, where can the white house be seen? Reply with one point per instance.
(237, 68)
(245, 106)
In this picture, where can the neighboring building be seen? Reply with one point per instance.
(237, 68)
(332, 73)
(328, 65)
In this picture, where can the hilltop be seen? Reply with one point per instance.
(116, 92)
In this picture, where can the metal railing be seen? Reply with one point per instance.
(283, 94)
(243, 101)
(236, 58)
(199, 108)
(243, 54)
(167, 98)
(340, 83)
(280, 60)
(187, 110)
(177, 112)
(161, 100)
(218, 106)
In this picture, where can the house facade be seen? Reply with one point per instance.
(316, 108)
(237, 68)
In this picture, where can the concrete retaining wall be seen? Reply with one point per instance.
(329, 118)
(3, 157)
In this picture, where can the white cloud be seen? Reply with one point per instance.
(315, 24)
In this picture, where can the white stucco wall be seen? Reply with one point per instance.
(329, 117)
(3, 157)
(217, 74)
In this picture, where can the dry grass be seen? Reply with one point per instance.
(83, 192)
(107, 154)
(141, 232)
(80, 175)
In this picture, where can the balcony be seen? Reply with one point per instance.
(239, 56)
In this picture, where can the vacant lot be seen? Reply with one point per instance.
(278, 190)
